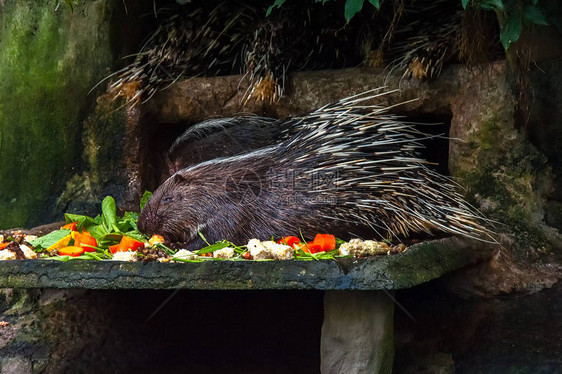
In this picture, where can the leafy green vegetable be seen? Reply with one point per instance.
(203, 237)
(51, 238)
(145, 196)
(211, 248)
(84, 222)
(109, 213)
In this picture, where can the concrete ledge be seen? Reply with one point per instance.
(421, 263)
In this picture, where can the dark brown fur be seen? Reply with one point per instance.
(349, 170)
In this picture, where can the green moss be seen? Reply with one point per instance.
(508, 173)
(50, 60)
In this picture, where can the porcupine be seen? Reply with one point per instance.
(231, 37)
(221, 137)
(422, 45)
(351, 169)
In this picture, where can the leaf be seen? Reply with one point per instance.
(203, 237)
(464, 3)
(536, 15)
(510, 31)
(98, 231)
(57, 258)
(84, 222)
(276, 4)
(351, 8)
(112, 237)
(211, 248)
(497, 3)
(375, 3)
(136, 235)
(128, 222)
(109, 213)
(492, 4)
(145, 196)
(51, 238)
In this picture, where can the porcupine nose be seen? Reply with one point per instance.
(146, 218)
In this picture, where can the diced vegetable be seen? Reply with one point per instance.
(84, 240)
(289, 240)
(126, 244)
(3, 245)
(156, 239)
(60, 243)
(309, 247)
(326, 242)
(70, 226)
(314, 248)
(71, 251)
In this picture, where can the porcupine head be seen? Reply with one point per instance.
(228, 198)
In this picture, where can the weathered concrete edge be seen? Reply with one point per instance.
(421, 263)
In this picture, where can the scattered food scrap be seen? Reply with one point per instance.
(110, 237)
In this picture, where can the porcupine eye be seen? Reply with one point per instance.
(167, 199)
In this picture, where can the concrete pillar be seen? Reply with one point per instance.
(358, 333)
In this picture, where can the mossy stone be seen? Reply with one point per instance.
(50, 60)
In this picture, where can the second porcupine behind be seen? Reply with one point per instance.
(352, 170)
(222, 137)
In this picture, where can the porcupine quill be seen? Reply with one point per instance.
(234, 38)
(352, 169)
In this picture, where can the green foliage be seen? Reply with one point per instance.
(48, 240)
(108, 227)
(145, 196)
(352, 7)
(513, 14)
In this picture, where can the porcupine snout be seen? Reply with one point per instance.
(147, 220)
(151, 217)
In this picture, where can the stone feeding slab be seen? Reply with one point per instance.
(420, 263)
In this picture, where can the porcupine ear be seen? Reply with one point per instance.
(178, 178)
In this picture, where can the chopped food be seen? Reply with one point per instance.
(125, 256)
(362, 248)
(289, 240)
(126, 244)
(156, 239)
(225, 253)
(71, 250)
(309, 247)
(16, 251)
(109, 236)
(269, 250)
(84, 240)
(28, 252)
(326, 242)
(184, 254)
(70, 226)
(7, 255)
(64, 242)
